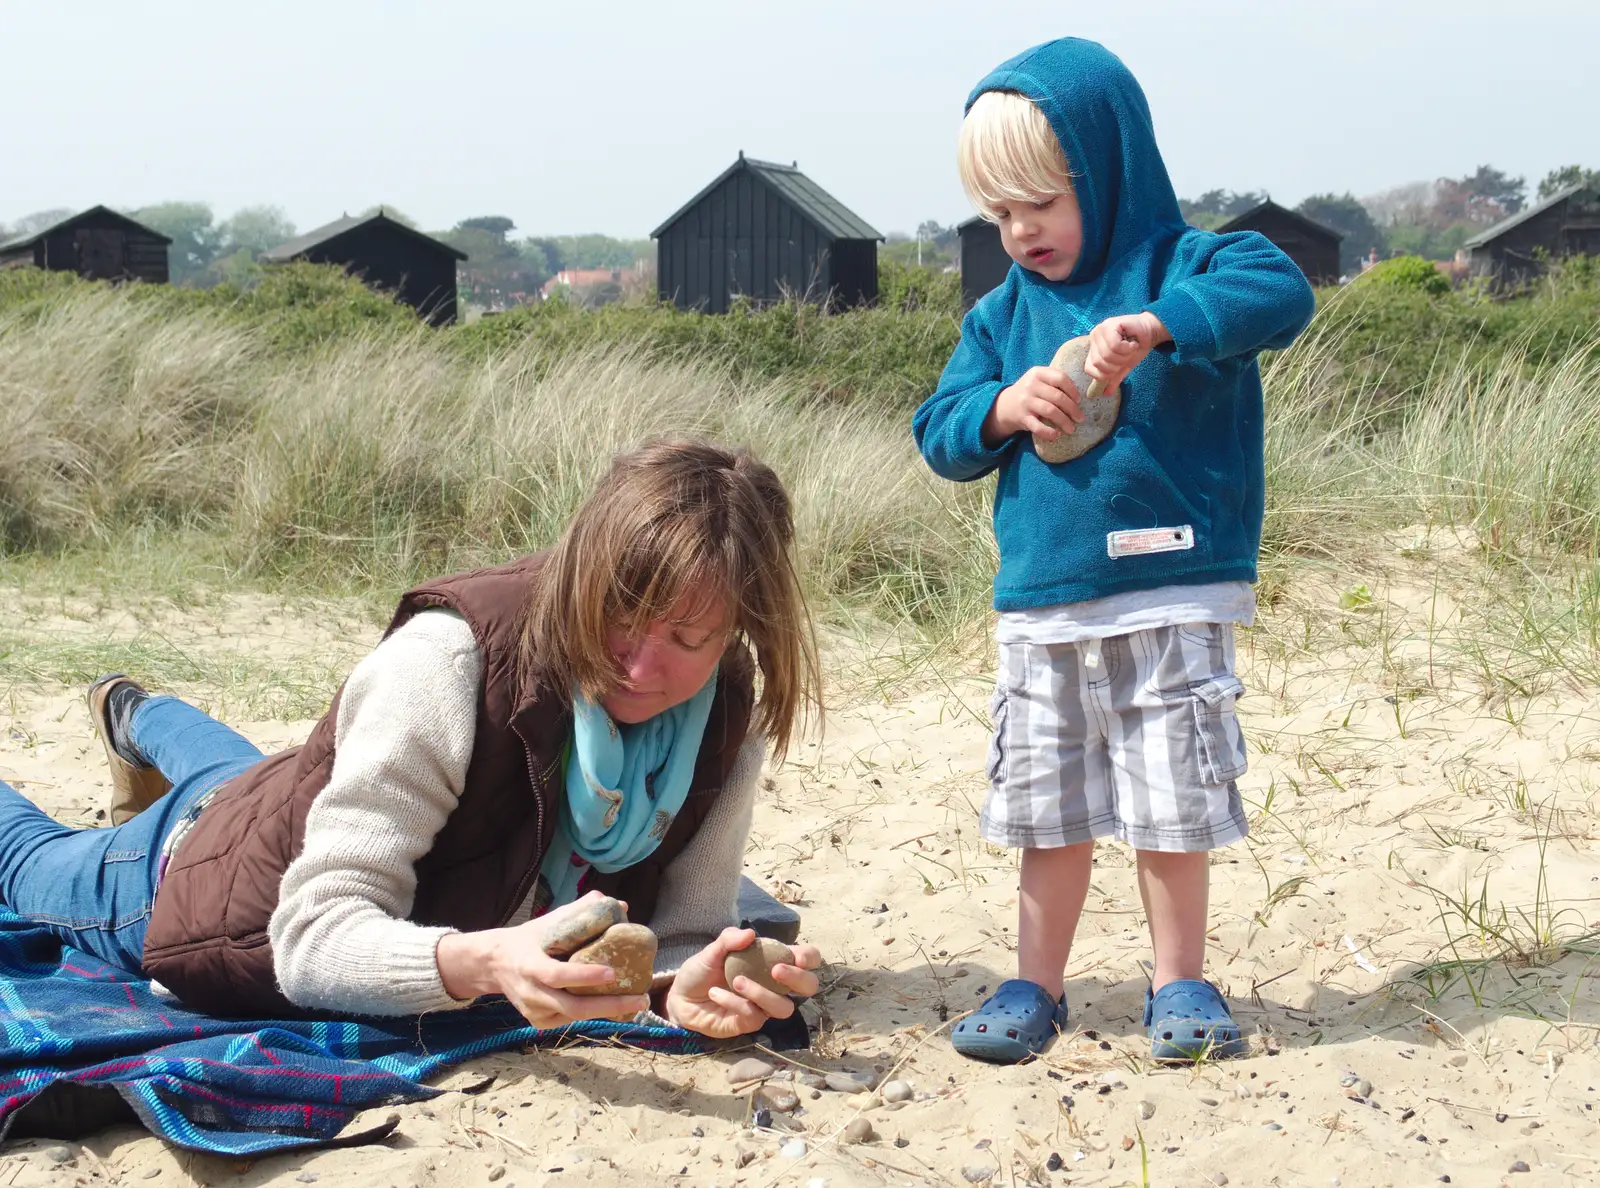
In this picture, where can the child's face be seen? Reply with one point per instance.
(1044, 236)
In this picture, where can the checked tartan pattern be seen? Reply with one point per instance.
(234, 1087)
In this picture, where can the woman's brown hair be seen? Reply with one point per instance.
(671, 521)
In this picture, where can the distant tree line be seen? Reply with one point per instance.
(1429, 219)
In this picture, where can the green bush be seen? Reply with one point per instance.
(1411, 273)
(891, 357)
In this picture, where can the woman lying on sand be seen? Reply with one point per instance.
(580, 721)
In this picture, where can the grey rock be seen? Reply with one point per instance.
(792, 1148)
(902, 1143)
(584, 925)
(1363, 1087)
(846, 1083)
(1099, 411)
(812, 1080)
(1272, 1126)
(310, 1177)
(898, 1091)
(497, 1172)
(744, 1158)
(150, 1173)
(58, 1154)
(1147, 1110)
(778, 1098)
(756, 963)
(762, 1118)
(630, 951)
(859, 1131)
(1220, 1179)
(1519, 1166)
(748, 1071)
(977, 1175)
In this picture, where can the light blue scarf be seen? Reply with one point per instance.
(625, 784)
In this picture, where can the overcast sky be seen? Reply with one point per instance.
(589, 115)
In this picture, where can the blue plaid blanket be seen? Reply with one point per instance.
(231, 1087)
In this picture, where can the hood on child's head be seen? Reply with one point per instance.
(1100, 116)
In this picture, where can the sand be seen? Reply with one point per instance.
(1409, 809)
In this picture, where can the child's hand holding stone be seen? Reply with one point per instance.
(1118, 345)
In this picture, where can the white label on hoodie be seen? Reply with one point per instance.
(1136, 542)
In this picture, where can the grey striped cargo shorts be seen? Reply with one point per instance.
(1132, 737)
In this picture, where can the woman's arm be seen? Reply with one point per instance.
(407, 717)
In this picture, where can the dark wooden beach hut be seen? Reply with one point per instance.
(1312, 246)
(386, 254)
(984, 262)
(97, 244)
(1518, 249)
(765, 232)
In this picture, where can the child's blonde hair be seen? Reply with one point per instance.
(1009, 153)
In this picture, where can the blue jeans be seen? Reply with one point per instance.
(93, 887)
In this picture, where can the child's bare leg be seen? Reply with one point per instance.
(1055, 883)
(1174, 888)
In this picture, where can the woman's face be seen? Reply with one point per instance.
(670, 662)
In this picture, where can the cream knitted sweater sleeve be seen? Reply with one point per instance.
(407, 717)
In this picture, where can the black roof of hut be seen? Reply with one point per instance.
(386, 254)
(764, 231)
(97, 244)
(1313, 246)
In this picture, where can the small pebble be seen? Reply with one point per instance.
(859, 1131)
(1500, 1117)
(58, 1154)
(1147, 1110)
(1241, 1090)
(150, 1173)
(749, 1070)
(977, 1175)
(1459, 1061)
(1220, 1179)
(1273, 1126)
(497, 1172)
(1363, 1088)
(1127, 1142)
(762, 1118)
(1208, 1101)
(897, 1091)
(902, 1143)
(1444, 1179)
(811, 1080)
(792, 1148)
(1054, 1162)
(1519, 1166)
(698, 1132)
(1348, 1080)
(744, 1158)
(845, 1083)
(778, 1098)
(311, 1177)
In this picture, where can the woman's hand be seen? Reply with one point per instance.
(701, 999)
(512, 961)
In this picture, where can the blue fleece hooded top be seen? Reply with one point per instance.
(1187, 447)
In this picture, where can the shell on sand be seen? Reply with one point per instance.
(630, 951)
(1099, 411)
